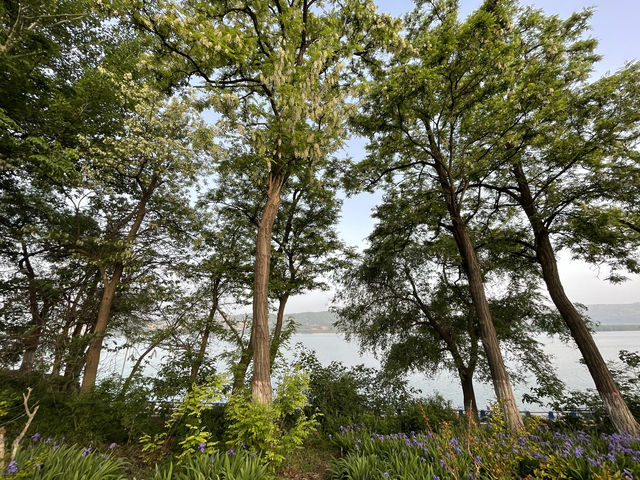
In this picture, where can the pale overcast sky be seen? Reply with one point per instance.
(615, 26)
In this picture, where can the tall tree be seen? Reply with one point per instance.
(274, 71)
(424, 115)
(134, 189)
(305, 244)
(407, 298)
(563, 146)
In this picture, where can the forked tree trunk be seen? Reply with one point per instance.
(468, 392)
(618, 411)
(277, 332)
(261, 387)
(95, 345)
(501, 384)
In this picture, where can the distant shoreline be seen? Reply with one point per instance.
(599, 328)
(618, 328)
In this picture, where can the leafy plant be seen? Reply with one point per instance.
(275, 430)
(240, 465)
(197, 439)
(47, 460)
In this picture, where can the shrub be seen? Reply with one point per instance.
(189, 413)
(275, 430)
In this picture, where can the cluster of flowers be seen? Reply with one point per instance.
(32, 454)
(479, 452)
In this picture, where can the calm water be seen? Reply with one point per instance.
(566, 359)
(330, 347)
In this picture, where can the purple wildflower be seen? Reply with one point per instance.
(627, 474)
(231, 452)
(113, 445)
(12, 467)
(202, 447)
(86, 451)
(36, 437)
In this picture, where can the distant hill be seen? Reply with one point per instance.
(314, 322)
(614, 316)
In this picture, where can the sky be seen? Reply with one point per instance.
(615, 26)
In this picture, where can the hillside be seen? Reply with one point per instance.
(622, 316)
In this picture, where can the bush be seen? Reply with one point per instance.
(101, 416)
(365, 396)
(275, 430)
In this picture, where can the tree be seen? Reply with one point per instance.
(273, 70)
(306, 243)
(556, 142)
(135, 189)
(407, 300)
(424, 114)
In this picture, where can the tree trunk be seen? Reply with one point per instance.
(95, 345)
(501, 384)
(468, 393)
(136, 366)
(619, 413)
(204, 341)
(275, 341)
(261, 387)
(240, 369)
(30, 346)
(38, 316)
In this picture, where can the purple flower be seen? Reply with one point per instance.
(12, 467)
(627, 474)
(36, 437)
(113, 445)
(202, 447)
(86, 451)
(442, 463)
(231, 452)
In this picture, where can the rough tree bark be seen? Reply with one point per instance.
(618, 411)
(261, 387)
(499, 376)
(92, 358)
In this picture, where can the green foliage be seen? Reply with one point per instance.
(46, 460)
(101, 416)
(197, 438)
(240, 465)
(364, 396)
(277, 430)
